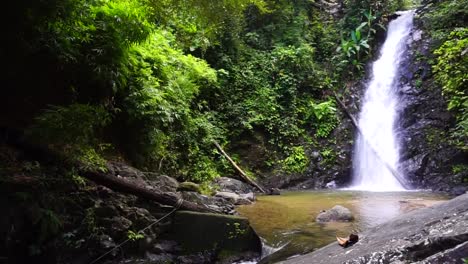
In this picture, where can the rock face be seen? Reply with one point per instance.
(337, 214)
(437, 234)
(427, 157)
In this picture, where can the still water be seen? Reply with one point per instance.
(289, 219)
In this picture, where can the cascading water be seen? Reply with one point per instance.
(376, 153)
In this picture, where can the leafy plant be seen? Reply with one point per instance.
(133, 236)
(297, 161)
(451, 71)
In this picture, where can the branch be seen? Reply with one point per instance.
(241, 172)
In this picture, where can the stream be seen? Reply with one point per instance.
(289, 219)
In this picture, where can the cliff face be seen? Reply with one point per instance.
(429, 160)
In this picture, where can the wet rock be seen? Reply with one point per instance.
(337, 214)
(189, 187)
(233, 198)
(232, 185)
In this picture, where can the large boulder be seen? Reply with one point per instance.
(337, 214)
(235, 198)
(230, 237)
(214, 202)
(232, 185)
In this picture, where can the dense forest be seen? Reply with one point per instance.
(156, 83)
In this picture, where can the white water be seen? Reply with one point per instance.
(378, 148)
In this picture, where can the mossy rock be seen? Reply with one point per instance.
(226, 235)
(189, 187)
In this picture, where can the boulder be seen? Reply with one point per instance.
(213, 202)
(233, 198)
(229, 236)
(337, 214)
(232, 185)
(249, 196)
(162, 182)
(189, 187)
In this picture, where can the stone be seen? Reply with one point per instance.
(189, 187)
(458, 190)
(162, 182)
(233, 198)
(228, 235)
(249, 196)
(213, 202)
(337, 214)
(232, 185)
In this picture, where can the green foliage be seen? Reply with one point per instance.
(297, 161)
(324, 118)
(75, 123)
(133, 236)
(75, 130)
(328, 155)
(48, 223)
(159, 107)
(445, 16)
(451, 71)
(355, 49)
(236, 230)
(458, 168)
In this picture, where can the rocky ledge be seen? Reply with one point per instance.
(437, 234)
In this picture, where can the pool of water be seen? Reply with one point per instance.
(289, 219)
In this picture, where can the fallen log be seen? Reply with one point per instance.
(124, 186)
(356, 125)
(238, 169)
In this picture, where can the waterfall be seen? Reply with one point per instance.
(377, 150)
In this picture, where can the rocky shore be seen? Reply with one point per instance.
(437, 234)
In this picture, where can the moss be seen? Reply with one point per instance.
(189, 187)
